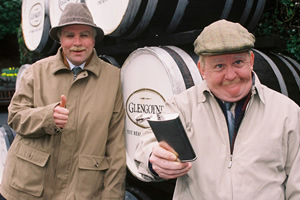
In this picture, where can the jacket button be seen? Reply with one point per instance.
(97, 164)
(56, 130)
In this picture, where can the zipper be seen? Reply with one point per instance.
(246, 110)
(230, 162)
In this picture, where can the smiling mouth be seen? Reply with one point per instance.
(77, 49)
(232, 82)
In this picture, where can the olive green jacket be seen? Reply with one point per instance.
(86, 159)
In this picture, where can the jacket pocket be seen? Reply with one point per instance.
(91, 175)
(29, 171)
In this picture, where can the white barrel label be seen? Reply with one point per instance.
(144, 102)
(36, 15)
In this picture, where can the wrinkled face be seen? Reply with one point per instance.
(228, 76)
(77, 42)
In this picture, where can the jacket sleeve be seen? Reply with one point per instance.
(23, 117)
(142, 153)
(114, 180)
(293, 157)
(146, 142)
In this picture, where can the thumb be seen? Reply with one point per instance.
(63, 101)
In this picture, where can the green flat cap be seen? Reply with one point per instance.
(223, 37)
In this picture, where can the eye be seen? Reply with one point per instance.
(69, 35)
(85, 34)
(219, 67)
(239, 63)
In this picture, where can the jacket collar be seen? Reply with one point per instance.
(92, 65)
(204, 91)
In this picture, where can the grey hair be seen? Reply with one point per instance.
(94, 32)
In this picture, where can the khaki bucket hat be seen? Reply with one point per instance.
(223, 37)
(76, 13)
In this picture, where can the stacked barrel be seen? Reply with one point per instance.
(151, 74)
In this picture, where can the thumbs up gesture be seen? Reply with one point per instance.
(60, 113)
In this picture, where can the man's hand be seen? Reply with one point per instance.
(60, 113)
(166, 164)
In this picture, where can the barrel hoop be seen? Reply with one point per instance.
(185, 72)
(144, 20)
(293, 61)
(128, 18)
(226, 10)
(246, 12)
(111, 60)
(256, 16)
(295, 74)
(276, 71)
(137, 18)
(178, 14)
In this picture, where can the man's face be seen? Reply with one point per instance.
(228, 76)
(77, 42)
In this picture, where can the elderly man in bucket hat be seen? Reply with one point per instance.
(246, 136)
(70, 142)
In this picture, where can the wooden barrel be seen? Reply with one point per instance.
(278, 72)
(150, 75)
(110, 60)
(130, 18)
(254, 15)
(35, 24)
(114, 17)
(199, 14)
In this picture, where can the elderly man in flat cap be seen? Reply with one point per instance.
(69, 123)
(246, 136)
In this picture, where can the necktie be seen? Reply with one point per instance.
(230, 120)
(76, 70)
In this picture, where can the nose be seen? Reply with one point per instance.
(230, 73)
(77, 40)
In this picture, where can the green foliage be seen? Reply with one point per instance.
(281, 18)
(10, 17)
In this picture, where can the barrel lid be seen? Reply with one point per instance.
(35, 24)
(113, 16)
(150, 76)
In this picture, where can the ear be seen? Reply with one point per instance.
(201, 69)
(251, 59)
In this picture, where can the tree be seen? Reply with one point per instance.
(10, 17)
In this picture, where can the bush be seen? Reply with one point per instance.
(281, 18)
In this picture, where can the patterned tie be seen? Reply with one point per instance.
(76, 70)
(230, 119)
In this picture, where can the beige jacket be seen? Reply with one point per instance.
(266, 159)
(85, 160)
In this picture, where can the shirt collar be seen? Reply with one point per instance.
(72, 65)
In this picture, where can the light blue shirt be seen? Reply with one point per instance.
(72, 65)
